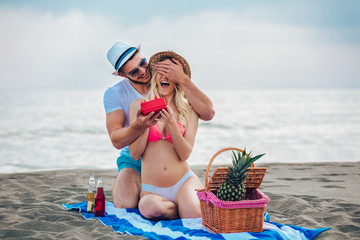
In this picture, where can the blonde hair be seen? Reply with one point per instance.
(182, 104)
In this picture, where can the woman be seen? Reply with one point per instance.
(168, 184)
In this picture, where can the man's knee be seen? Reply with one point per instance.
(126, 190)
(119, 203)
(130, 200)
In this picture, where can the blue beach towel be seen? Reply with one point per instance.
(131, 222)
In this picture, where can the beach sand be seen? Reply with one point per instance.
(309, 195)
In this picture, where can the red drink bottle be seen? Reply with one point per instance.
(100, 200)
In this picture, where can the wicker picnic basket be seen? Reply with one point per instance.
(233, 216)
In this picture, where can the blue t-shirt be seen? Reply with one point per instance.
(120, 96)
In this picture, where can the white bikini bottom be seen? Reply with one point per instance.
(169, 192)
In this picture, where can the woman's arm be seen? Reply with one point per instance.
(183, 144)
(137, 147)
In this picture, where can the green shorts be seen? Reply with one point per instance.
(126, 161)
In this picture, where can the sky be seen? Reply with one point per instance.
(228, 44)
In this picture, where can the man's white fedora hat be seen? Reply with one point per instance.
(119, 53)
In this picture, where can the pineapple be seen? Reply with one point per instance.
(233, 189)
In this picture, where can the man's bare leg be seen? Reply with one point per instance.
(127, 188)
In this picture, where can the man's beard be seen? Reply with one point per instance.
(139, 82)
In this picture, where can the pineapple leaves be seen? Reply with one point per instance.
(257, 157)
(241, 162)
(233, 188)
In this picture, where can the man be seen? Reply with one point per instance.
(131, 65)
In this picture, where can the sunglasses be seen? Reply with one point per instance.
(135, 72)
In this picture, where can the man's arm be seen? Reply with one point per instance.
(122, 136)
(137, 147)
(200, 102)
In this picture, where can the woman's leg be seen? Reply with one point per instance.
(187, 201)
(156, 207)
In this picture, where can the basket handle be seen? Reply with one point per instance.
(211, 161)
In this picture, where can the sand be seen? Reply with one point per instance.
(308, 195)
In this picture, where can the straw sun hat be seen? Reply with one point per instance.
(160, 56)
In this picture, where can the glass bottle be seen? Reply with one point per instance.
(99, 199)
(90, 197)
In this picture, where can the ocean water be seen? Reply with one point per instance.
(65, 129)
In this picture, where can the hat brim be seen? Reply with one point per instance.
(160, 56)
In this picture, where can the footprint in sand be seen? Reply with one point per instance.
(333, 186)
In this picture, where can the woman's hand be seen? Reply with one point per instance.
(167, 116)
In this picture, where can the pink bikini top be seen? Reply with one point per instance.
(155, 133)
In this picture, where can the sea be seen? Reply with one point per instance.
(65, 129)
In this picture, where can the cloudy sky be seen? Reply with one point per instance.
(229, 44)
